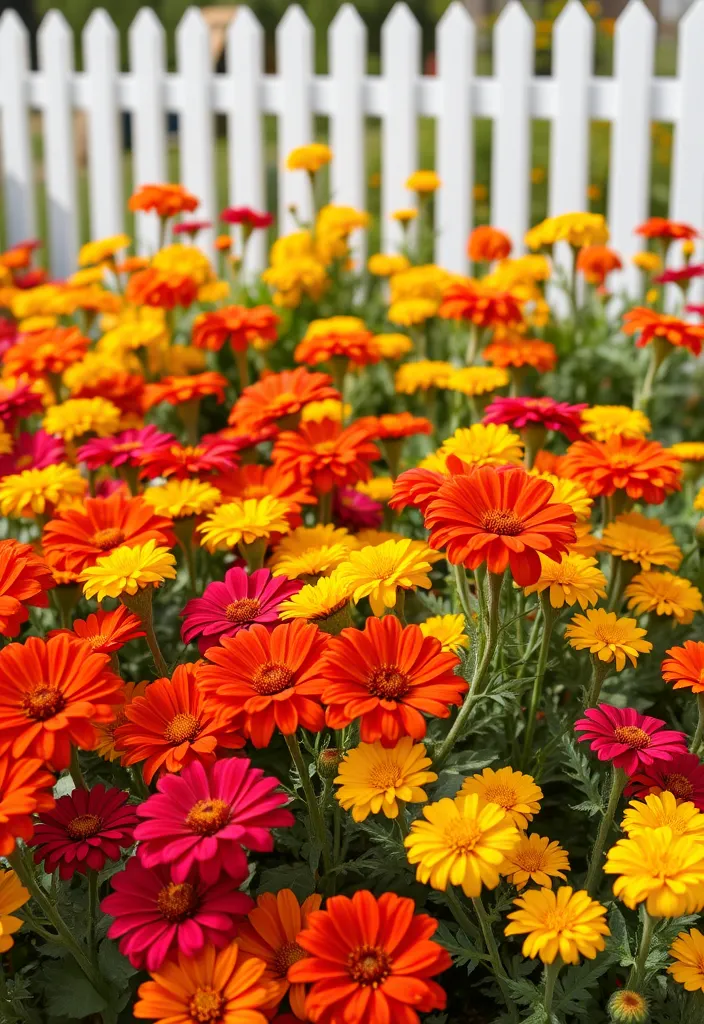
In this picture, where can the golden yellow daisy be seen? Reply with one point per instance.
(515, 792)
(326, 409)
(559, 922)
(578, 229)
(576, 579)
(102, 249)
(374, 778)
(244, 521)
(423, 181)
(663, 870)
(604, 421)
(393, 346)
(608, 637)
(585, 542)
(309, 158)
(127, 570)
(312, 563)
(410, 312)
(461, 842)
(321, 602)
(79, 416)
(648, 261)
(39, 491)
(421, 375)
(665, 594)
(382, 264)
(96, 367)
(485, 444)
(687, 952)
(404, 214)
(180, 360)
(569, 492)
(535, 859)
(365, 538)
(182, 498)
(661, 809)
(132, 336)
(626, 1006)
(13, 895)
(689, 451)
(306, 538)
(478, 380)
(448, 629)
(379, 488)
(638, 538)
(435, 461)
(378, 572)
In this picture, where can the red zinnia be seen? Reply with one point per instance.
(524, 413)
(416, 487)
(630, 740)
(685, 666)
(18, 401)
(24, 582)
(274, 677)
(204, 816)
(388, 676)
(643, 469)
(660, 327)
(84, 830)
(240, 325)
(183, 461)
(326, 453)
(246, 216)
(106, 632)
(487, 244)
(676, 276)
(501, 516)
(371, 961)
(596, 262)
(481, 305)
(682, 775)
(191, 227)
(25, 790)
(278, 397)
(662, 227)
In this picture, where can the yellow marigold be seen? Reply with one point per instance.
(79, 416)
(393, 346)
(309, 158)
(45, 300)
(604, 421)
(575, 580)
(182, 498)
(133, 336)
(102, 249)
(579, 229)
(585, 543)
(379, 572)
(214, 291)
(535, 859)
(423, 182)
(326, 409)
(410, 312)
(96, 367)
(665, 594)
(39, 491)
(91, 275)
(317, 602)
(515, 792)
(687, 952)
(607, 636)
(427, 281)
(310, 563)
(295, 278)
(637, 538)
(404, 215)
(244, 521)
(569, 492)
(648, 261)
(519, 272)
(461, 842)
(383, 264)
(307, 538)
(478, 380)
(689, 451)
(13, 895)
(379, 488)
(448, 629)
(127, 570)
(426, 373)
(661, 869)
(188, 260)
(374, 778)
(559, 922)
(485, 444)
(180, 360)
(661, 809)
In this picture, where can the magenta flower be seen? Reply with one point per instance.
(203, 817)
(17, 402)
(630, 740)
(123, 448)
(236, 603)
(155, 916)
(191, 227)
(32, 451)
(522, 413)
(682, 775)
(356, 511)
(84, 830)
(8, 334)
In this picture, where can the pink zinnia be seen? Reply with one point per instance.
(191, 227)
(84, 830)
(355, 510)
(687, 273)
(629, 739)
(32, 451)
(682, 775)
(204, 816)
(8, 334)
(236, 603)
(522, 413)
(155, 915)
(246, 216)
(18, 402)
(124, 448)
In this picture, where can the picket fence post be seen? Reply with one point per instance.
(20, 213)
(196, 121)
(294, 62)
(100, 43)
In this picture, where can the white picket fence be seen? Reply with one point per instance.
(512, 97)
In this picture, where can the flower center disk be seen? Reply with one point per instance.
(183, 728)
(272, 678)
(176, 901)
(43, 702)
(244, 610)
(206, 1006)
(84, 826)
(502, 521)
(287, 955)
(633, 737)
(388, 682)
(679, 786)
(369, 965)
(111, 537)
(207, 817)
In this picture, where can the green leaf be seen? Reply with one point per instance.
(579, 768)
(297, 877)
(460, 947)
(113, 965)
(68, 992)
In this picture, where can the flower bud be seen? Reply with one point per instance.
(628, 1007)
(328, 762)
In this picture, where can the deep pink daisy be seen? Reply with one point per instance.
(522, 413)
(8, 334)
(84, 830)
(236, 603)
(355, 510)
(125, 448)
(32, 451)
(631, 740)
(155, 915)
(17, 402)
(204, 816)
(682, 775)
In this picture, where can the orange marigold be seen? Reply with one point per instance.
(663, 227)
(164, 289)
(165, 200)
(596, 262)
(487, 244)
(684, 667)
(481, 304)
(326, 454)
(660, 327)
(176, 390)
(24, 582)
(239, 325)
(106, 632)
(338, 337)
(394, 426)
(643, 469)
(277, 398)
(25, 790)
(516, 351)
(43, 352)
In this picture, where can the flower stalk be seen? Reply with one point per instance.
(618, 784)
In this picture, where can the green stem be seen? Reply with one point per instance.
(242, 367)
(141, 789)
(75, 769)
(325, 508)
(462, 585)
(92, 910)
(635, 979)
(253, 553)
(311, 799)
(551, 972)
(549, 617)
(141, 604)
(618, 783)
(479, 578)
(495, 959)
(600, 670)
(190, 561)
(699, 734)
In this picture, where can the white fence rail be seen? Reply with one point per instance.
(631, 99)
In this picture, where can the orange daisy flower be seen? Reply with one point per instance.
(501, 516)
(253, 481)
(165, 200)
(239, 325)
(487, 244)
(173, 724)
(106, 632)
(271, 676)
(371, 961)
(339, 337)
(185, 461)
(270, 934)
(659, 327)
(105, 746)
(540, 355)
(326, 453)
(279, 397)
(394, 426)
(388, 676)
(76, 538)
(25, 790)
(125, 390)
(481, 304)
(663, 227)
(164, 289)
(595, 262)
(643, 469)
(24, 582)
(176, 390)
(51, 692)
(44, 352)
(684, 667)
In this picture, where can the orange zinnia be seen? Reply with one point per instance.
(596, 262)
(269, 933)
(25, 790)
(326, 340)
(173, 724)
(164, 289)
(271, 676)
(24, 582)
(51, 692)
(684, 667)
(165, 200)
(643, 469)
(541, 355)
(326, 453)
(76, 538)
(487, 244)
(43, 352)
(663, 227)
(176, 390)
(388, 676)
(106, 632)
(239, 325)
(394, 426)
(501, 516)
(480, 304)
(659, 327)
(125, 390)
(279, 397)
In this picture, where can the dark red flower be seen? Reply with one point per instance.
(246, 216)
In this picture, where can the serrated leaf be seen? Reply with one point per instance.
(68, 992)
(297, 877)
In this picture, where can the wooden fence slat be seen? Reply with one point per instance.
(294, 61)
(100, 49)
(18, 171)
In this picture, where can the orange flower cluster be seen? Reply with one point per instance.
(238, 325)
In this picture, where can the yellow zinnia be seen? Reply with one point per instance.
(485, 444)
(568, 492)
(379, 488)
(423, 182)
(393, 346)
(13, 895)
(658, 809)
(310, 563)
(687, 952)
(576, 579)
(245, 520)
(535, 859)
(478, 380)
(448, 629)
(180, 499)
(378, 572)
(320, 602)
(374, 778)
(660, 869)
(404, 215)
(515, 792)
(604, 421)
(424, 374)
(37, 491)
(102, 249)
(79, 416)
(127, 570)
(607, 636)
(578, 229)
(637, 538)
(665, 594)
(383, 264)
(309, 158)
(410, 312)
(559, 922)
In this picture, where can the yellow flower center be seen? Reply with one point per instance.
(181, 729)
(43, 702)
(461, 836)
(206, 1005)
(557, 919)
(387, 682)
(98, 640)
(272, 678)
(611, 633)
(530, 859)
(679, 786)
(287, 955)
(504, 796)
(244, 610)
(176, 901)
(207, 817)
(127, 446)
(633, 737)
(385, 776)
(111, 537)
(369, 965)
(84, 826)
(502, 521)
